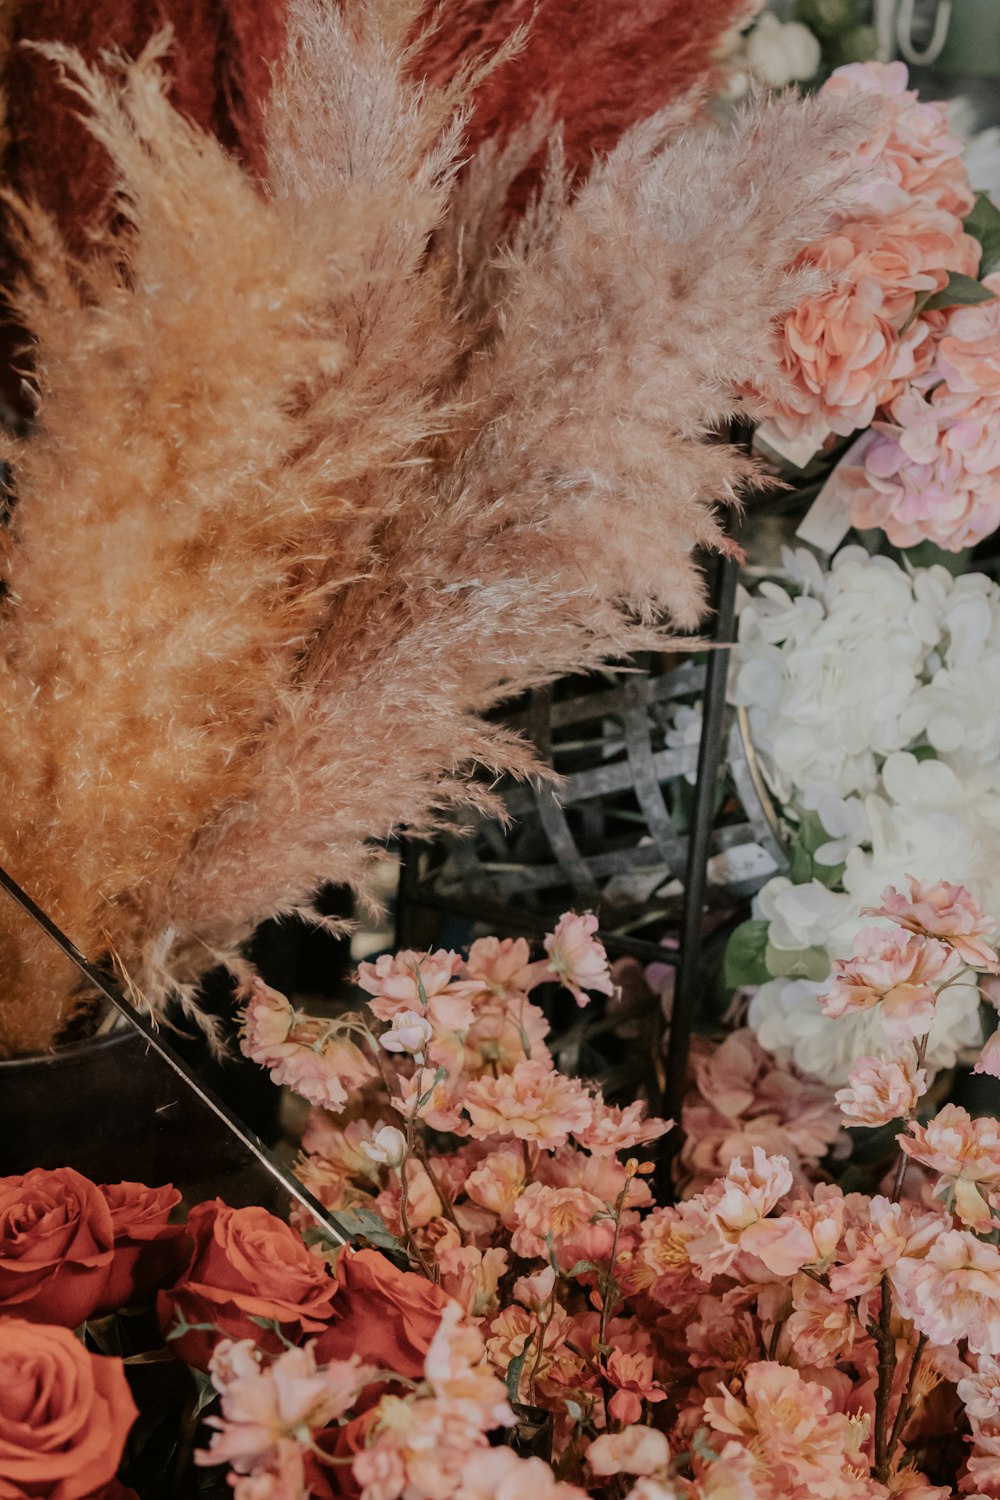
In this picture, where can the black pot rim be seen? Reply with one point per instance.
(72, 1052)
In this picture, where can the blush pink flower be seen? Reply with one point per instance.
(949, 913)
(267, 1405)
(807, 1234)
(636, 1450)
(882, 1089)
(410, 1032)
(577, 959)
(953, 1292)
(979, 1391)
(879, 1235)
(497, 1182)
(499, 969)
(632, 1376)
(966, 1152)
(472, 1277)
(896, 970)
(534, 1103)
(395, 982)
(822, 1327)
(801, 1445)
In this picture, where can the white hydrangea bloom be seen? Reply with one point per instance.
(874, 701)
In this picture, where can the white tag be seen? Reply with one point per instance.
(828, 519)
(795, 451)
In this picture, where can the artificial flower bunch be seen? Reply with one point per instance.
(904, 338)
(867, 692)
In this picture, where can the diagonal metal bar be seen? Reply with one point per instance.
(326, 1221)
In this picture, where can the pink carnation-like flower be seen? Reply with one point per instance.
(395, 982)
(895, 970)
(953, 1292)
(499, 969)
(967, 1154)
(800, 1443)
(882, 1089)
(577, 959)
(472, 1277)
(979, 1391)
(569, 1215)
(881, 1234)
(534, 1103)
(949, 913)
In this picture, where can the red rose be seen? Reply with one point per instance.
(386, 1316)
(245, 1264)
(64, 1414)
(148, 1248)
(56, 1246)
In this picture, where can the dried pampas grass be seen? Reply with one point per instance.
(301, 502)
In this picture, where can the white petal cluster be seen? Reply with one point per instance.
(873, 695)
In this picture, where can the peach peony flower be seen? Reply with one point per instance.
(895, 970)
(636, 1450)
(966, 1152)
(949, 913)
(497, 1182)
(534, 1103)
(577, 959)
(498, 969)
(882, 1089)
(801, 1446)
(953, 1292)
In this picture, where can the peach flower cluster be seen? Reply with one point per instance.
(849, 348)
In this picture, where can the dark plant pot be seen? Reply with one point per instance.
(90, 1105)
(114, 1110)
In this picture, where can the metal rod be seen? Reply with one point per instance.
(710, 752)
(301, 1195)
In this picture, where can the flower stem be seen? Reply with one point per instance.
(906, 1400)
(886, 1370)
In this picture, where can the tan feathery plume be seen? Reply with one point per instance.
(290, 518)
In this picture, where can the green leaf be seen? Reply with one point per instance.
(513, 1376)
(961, 291)
(984, 225)
(365, 1223)
(744, 960)
(580, 1267)
(798, 963)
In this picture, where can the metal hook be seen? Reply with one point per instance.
(904, 33)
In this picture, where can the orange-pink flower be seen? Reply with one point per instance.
(534, 1103)
(577, 959)
(302, 1053)
(613, 1129)
(969, 352)
(882, 1089)
(636, 1450)
(395, 982)
(896, 970)
(949, 913)
(723, 1214)
(966, 1152)
(631, 1374)
(802, 1447)
(568, 1215)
